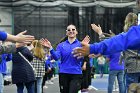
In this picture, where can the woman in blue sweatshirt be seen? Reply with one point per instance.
(3, 59)
(70, 73)
(116, 69)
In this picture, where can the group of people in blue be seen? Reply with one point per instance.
(71, 54)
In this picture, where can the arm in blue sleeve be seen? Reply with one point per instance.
(56, 54)
(9, 57)
(121, 42)
(3, 36)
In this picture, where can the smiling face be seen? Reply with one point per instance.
(71, 31)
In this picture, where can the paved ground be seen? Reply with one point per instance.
(99, 85)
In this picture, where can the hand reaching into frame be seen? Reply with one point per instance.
(80, 52)
(97, 29)
(46, 43)
(20, 38)
(24, 38)
(86, 39)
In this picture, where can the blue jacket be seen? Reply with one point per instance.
(48, 63)
(118, 43)
(114, 63)
(3, 35)
(69, 64)
(4, 59)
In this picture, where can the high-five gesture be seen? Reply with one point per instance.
(97, 29)
(21, 38)
(86, 39)
(46, 43)
(81, 51)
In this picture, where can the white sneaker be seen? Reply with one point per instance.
(45, 86)
(117, 89)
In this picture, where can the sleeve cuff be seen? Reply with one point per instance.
(51, 49)
(3, 35)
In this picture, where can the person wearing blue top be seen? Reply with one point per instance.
(16, 38)
(112, 45)
(118, 43)
(3, 59)
(23, 39)
(70, 72)
(115, 70)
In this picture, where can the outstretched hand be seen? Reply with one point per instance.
(21, 38)
(86, 39)
(97, 29)
(46, 43)
(80, 52)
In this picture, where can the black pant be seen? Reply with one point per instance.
(70, 83)
(85, 80)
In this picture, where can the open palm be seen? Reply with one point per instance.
(45, 42)
(97, 29)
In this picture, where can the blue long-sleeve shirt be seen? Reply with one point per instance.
(114, 62)
(48, 63)
(118, 43)
(3, 36)
(69, 64)
(4, 59)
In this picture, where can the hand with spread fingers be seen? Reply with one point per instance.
(79, 52)
(46, 43)
(86, 39)
(20, 38)
(24, 38)
(97, 29)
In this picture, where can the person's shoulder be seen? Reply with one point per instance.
(135, 27)
(62, 43)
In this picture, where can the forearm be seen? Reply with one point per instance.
(54, 54)
(11, 38)
(7, 49)
(118, 43)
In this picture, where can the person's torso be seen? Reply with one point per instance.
(39, 65)
(132, 61)
(114, 63)
(69, 63)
